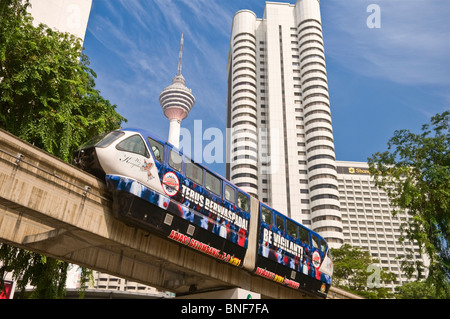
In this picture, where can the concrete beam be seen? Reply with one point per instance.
(43, 237)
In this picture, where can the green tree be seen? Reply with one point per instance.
(420, 290)
(415, 174)
(47, 275)
(47, 91)
(356, 271)
(48, 98)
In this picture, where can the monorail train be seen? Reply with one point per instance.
(156, 188)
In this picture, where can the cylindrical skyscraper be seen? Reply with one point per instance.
(281, 146)
(242, 103)
(321, 159)
(176, 101)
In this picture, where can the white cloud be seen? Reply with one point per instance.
(411, 47)
(211, 13)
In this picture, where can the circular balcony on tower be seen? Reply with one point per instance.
(177, 100)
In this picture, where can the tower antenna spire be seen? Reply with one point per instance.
(180, 64)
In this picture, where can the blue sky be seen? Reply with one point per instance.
(380, 79)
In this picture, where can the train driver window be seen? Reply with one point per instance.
(266, 215)
(291, 229)
(212, 183)
(279, 222)
(157, 148)
(242, 202)
(194, 172)
(303, 235)
(229, 193)
(175, 161)
(133, 144)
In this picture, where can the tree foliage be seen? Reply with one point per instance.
(47, 91)
(47, 275)
(415, 174)
(356, 271)
(421, 290)
(48, 98)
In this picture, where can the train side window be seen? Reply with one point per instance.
(175, 161)
(242, 201)
(133, 144)
(323, 245)
(291, 229)
(303, 235)
(315, 241)
(229, 193)
(157, 148)
(194, 172)
(266, 215)
(279, 222)
(212, 183)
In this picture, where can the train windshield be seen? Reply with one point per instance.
(108, 139)
(103, 140)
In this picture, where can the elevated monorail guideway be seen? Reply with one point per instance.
(55, 209)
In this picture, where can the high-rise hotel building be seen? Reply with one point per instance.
(369, 223)
(280, 147)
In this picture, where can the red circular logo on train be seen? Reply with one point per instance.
(316, 259)
(171, 184)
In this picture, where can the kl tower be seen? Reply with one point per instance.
(176, 101)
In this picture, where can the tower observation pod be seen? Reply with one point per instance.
(176, 101)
